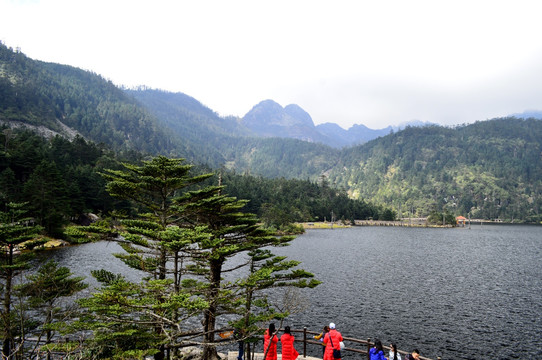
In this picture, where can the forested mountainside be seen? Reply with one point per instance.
(203, 132)
(489, 169)
(66, 100)
(230, 143)
(59, 181)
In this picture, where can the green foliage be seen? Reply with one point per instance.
(279, 202)
(45, 293)
(42, 94)
(182, 239)
(120, 316)
(489, 169)
(15, 229)
(58, 178)
(438, 218)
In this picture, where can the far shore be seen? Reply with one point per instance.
(412, 222)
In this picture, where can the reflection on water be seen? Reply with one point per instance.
(455, 293)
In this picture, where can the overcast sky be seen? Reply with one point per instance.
(375, 63)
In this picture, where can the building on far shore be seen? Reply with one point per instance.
(461, 220)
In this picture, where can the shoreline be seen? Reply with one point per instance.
(414, 222)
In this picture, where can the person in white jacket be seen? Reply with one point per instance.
(394, 355)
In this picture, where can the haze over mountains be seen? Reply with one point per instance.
(266, 119)
(269, 119)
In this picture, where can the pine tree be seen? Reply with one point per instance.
(266, 271)
(176, 233)
(15, 230)
(153, 238)
(47, 194)
(233, 232)
(45, 291)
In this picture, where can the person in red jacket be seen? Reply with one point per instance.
(287, 341)
(333, 341)
(270, 341)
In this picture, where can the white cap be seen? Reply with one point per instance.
(332, 325)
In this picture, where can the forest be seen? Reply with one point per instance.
(488, 170)
(60, 180)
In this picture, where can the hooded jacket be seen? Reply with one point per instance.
(288, 350)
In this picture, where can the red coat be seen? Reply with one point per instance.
(336, 338)
(272, 352)
(288, 350)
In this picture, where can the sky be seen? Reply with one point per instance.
(375, 63)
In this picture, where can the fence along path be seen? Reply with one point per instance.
(352, 345)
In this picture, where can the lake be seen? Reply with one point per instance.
(456, 293)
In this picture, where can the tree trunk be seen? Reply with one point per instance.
(209, 349)
(7, 344)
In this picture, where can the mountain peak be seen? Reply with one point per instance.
(297, 113)
(270, 113)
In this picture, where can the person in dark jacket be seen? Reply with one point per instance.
(415, 355)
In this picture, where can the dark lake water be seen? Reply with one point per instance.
(456, 293)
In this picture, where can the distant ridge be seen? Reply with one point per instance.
(270, 119)
(528, 114)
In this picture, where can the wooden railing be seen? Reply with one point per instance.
(363, 348)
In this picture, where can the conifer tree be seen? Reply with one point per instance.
(153, 238)
(233, 232)
(267, 271)
(45, 291)
(176, 233)
(152, 187)
(15, 229)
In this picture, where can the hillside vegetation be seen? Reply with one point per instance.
(63, 98)
(490, 169)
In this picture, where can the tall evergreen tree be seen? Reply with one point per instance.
(233, 232)
(154, 236)
(47, 194)
(45, 291)
(176, 233)
(15, 229)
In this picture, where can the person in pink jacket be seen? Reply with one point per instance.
(332, 340)
(270, 341)
(287, 341)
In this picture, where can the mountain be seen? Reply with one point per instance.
(535, 114)
(203, 133)
(490, 169)
(269, 119)
(228, 142)
(60, 99)
(413, 123)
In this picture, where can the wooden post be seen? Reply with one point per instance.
(369, 349)
(305, 341)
